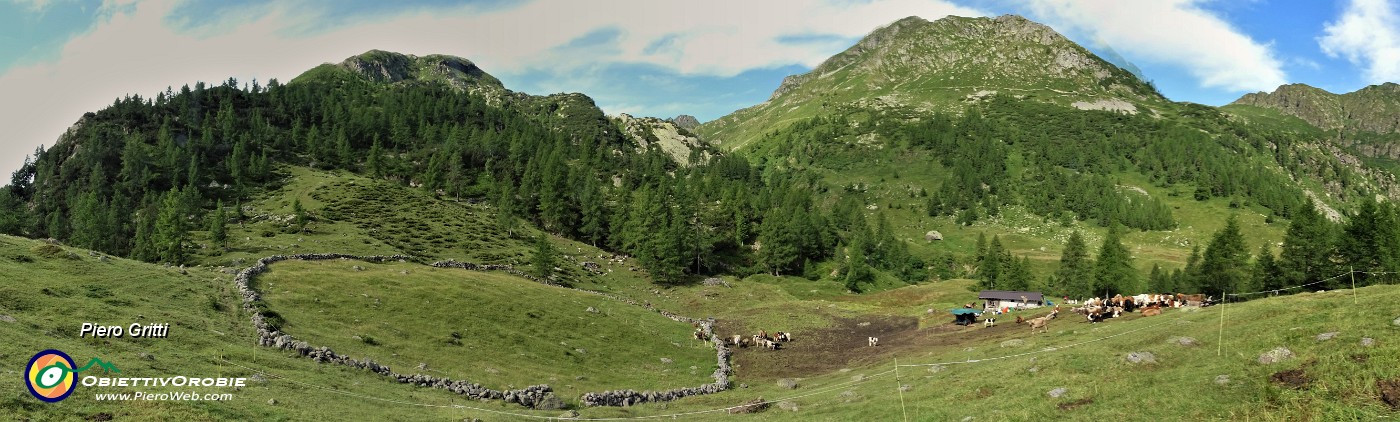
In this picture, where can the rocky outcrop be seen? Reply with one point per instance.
(1374, 109)
(668, 136)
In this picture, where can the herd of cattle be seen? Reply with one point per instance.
(762, 339)
(1099, 309)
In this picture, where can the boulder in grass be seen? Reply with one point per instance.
(1277, 355)
(751, 406)
(1141, 357)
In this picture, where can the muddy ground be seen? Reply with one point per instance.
(845, 344)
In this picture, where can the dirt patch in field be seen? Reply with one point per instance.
(1071, 405)
(1390, 392)
(1293, 378)
(846, 345)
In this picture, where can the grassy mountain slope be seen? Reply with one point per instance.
(49, 295)
(917, 67)
(507, 331)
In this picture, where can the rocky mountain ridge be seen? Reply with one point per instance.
(1374, 109)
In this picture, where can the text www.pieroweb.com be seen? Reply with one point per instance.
(168, 396)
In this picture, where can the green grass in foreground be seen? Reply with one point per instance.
(493, 329)
(49, 297)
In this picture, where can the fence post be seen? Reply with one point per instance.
(900, 387)
(1220, 341)
(1354, 300)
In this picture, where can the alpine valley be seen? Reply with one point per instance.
(400, 237)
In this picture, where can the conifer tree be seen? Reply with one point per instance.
(1307, 248)
(1114, 271)
(1266, 270)
(1370, 240)
(1188, 280)
(218, 230)
(1020, 275)
(88, 222)
(1159, 281)
(1076, 272)
(374, 163)
(299, 217)
(594, 216)
(544, 257)
(857, 269)
(170, 231)
(994, 265)
(1224, 267)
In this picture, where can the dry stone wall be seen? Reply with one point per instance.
(532, 396)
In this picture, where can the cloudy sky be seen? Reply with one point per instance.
(60, 58)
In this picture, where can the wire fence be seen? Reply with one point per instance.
(818, 391)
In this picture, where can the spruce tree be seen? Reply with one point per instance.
(1020, 275)
(170, 231)
(1370, 240)
(544, 257)
(1307, 248)
(299, 217)
(1188, 280)
(88, 222)
(1158, 281)
(1076, 272)
(778, 250)
(594, 215)
(374, 163)
(1266, 270)
(1224, 267)
(1114, 272)
(218, 230)
(857, 269)
(994, 266)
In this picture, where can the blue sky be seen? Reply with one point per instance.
(59, 58)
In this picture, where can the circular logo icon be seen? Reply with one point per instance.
(49, 376)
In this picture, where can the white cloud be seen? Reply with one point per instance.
(1367, 34)
(1175, 32)
(135, 48)
(33, 5)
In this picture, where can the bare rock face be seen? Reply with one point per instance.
(673, 139)
(1375, 108)
(686, 121)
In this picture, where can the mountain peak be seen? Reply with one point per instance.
(941, 65)
(1375, 108)
(389, 67)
